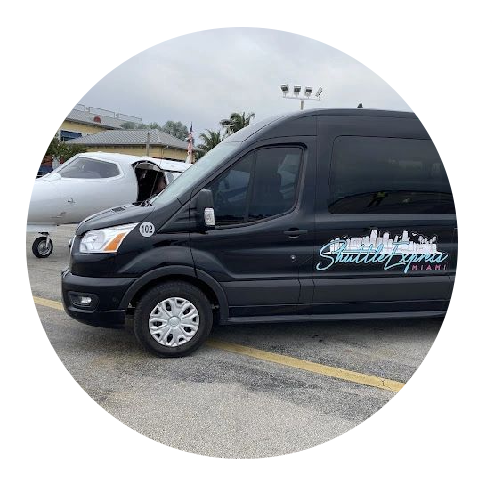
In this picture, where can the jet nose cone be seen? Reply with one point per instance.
(46, 201)
(38, 196)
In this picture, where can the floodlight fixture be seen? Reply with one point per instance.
(299, 93)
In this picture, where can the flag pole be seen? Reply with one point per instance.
(189, 158)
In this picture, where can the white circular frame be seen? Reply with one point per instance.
(241, 467)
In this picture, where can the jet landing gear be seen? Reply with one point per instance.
(42, 246)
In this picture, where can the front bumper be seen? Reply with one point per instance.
(106, 295)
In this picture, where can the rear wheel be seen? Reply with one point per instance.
(173, 319)
(42, 247)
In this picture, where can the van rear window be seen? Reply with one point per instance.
(388, 176)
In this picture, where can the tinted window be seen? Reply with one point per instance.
(388, 175)
(275, 182)
(230, 192)
(261, 185)
(85, 168)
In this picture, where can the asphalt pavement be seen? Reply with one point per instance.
(230, 404)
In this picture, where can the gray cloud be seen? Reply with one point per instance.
(205, 76)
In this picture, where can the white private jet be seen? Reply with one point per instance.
(89, 183)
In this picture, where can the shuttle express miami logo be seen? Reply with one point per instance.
(399, 252)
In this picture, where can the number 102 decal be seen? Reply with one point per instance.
(147, 229)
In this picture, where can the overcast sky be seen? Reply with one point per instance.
(203, 77)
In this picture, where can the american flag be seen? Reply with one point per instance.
(190, 141)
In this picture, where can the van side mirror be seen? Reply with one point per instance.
(205, 209)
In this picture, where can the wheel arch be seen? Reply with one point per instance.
(208, 285)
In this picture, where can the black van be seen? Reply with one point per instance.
(317, 215)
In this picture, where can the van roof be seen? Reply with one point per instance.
(253, 128)
(352, 112)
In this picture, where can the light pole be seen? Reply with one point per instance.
(308, 91)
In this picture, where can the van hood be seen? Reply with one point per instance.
(130, 213)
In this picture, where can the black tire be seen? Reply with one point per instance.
(158, 294)
(40, 249)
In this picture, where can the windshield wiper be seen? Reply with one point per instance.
(145, 202)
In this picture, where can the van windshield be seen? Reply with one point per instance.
(197, 172)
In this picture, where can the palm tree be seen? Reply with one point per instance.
(236, 121)
(210, 140)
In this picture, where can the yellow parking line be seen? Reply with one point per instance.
(48, 303)
(300, 364)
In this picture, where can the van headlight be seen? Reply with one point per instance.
(106, 240)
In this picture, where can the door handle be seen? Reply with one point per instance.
(295, 232)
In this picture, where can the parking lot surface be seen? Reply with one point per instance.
(226, 401)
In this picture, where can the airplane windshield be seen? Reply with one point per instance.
(197, 172)
(87, 168)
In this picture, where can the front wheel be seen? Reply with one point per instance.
(173, 319)
(42, 247)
